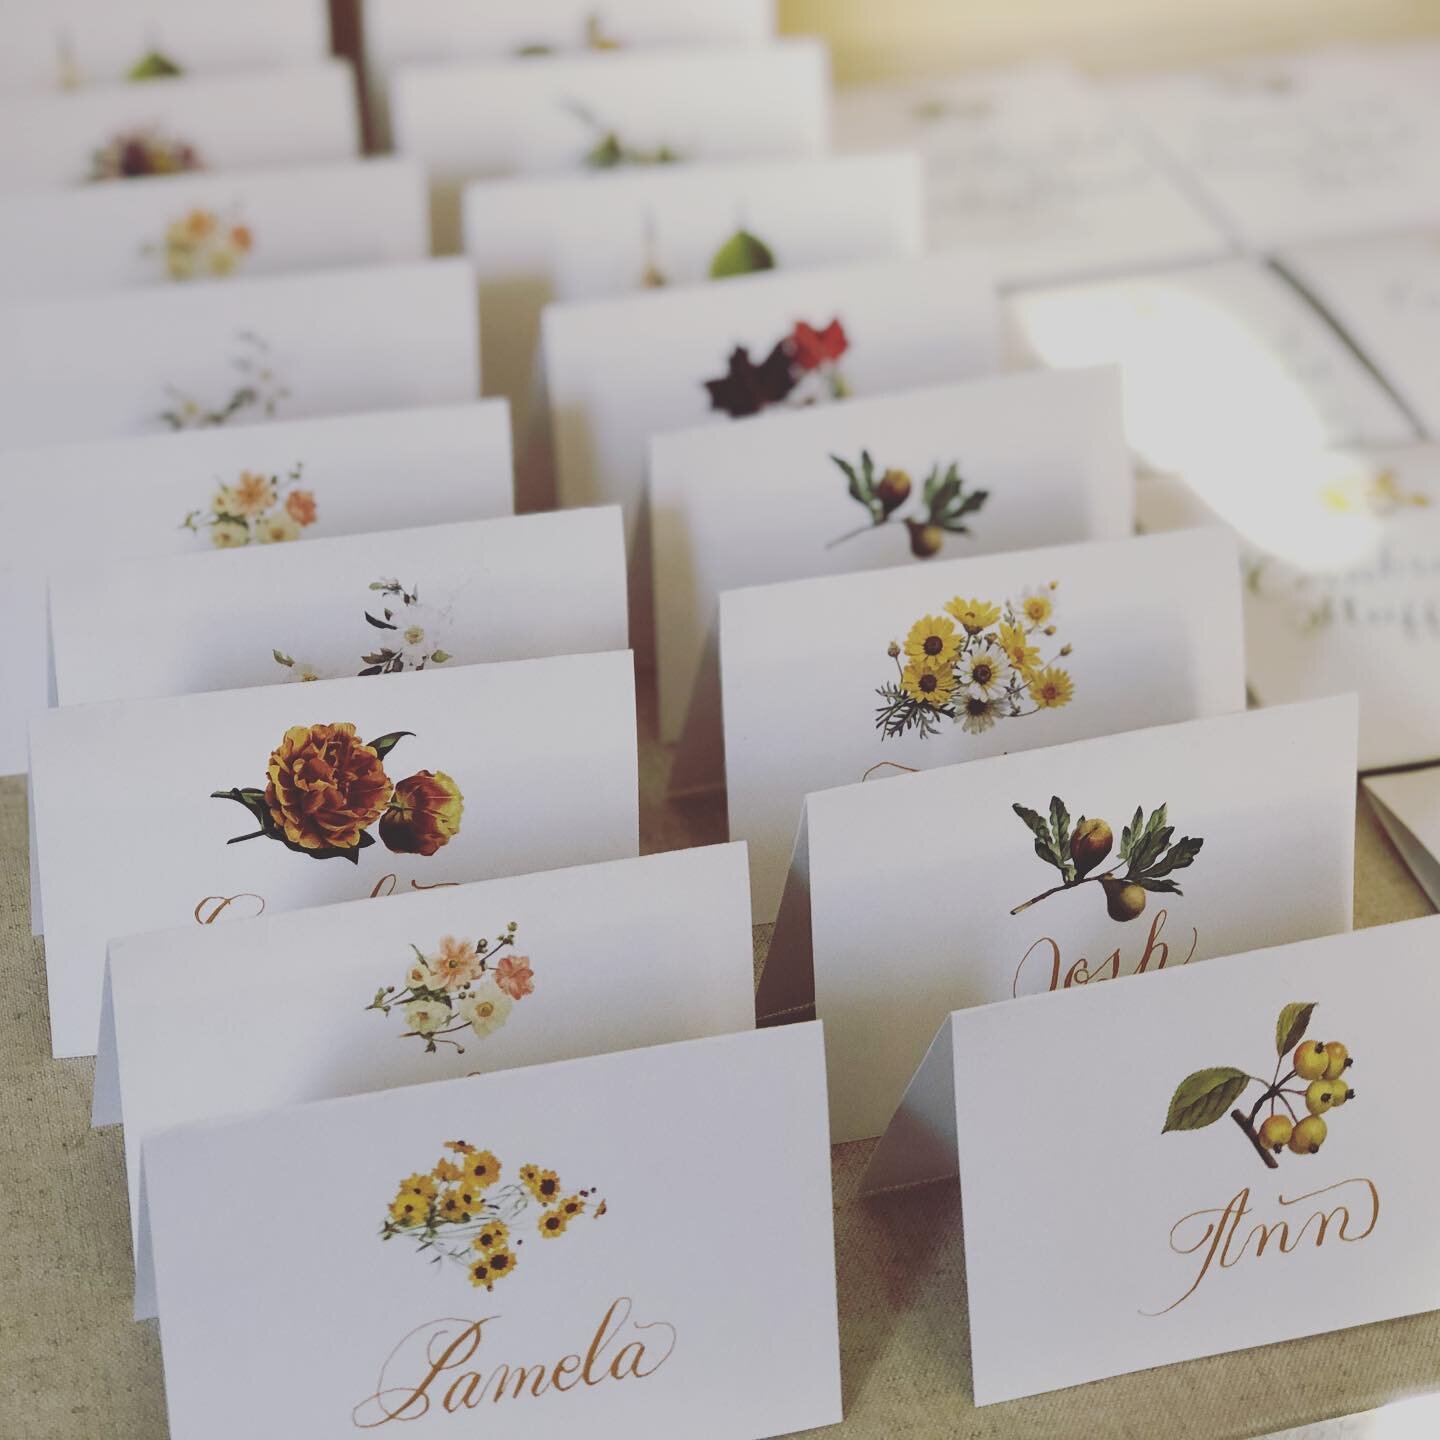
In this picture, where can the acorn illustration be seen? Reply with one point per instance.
(893, 489)
(1124, 899)
(925, 540)
(1090, 844)
(742, 254)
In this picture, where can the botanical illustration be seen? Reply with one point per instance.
(462, 986)
(609, 151)
(595, 37)
(325, 788)
(743, 253)
(975, 665)
(1379, 494)
(257, 388)
(133, 153)
(203, 245)
(153, 65)
(413, 632)
(802, 368)
(1149, 855)
(1318, 1078)
(460, 1212)
(256, 509)
(940, 510)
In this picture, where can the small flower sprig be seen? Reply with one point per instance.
(202, 243)
(462, 986)
(459, 1212)
(134, 153)
(256, 509)
(609, 151)
(943, 508)
(258, 388)
(802, 368)
(975, 664)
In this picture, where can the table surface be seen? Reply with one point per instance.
(73, 1365)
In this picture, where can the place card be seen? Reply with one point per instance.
(65, 44)
(209, 808)
(149, 361)
(1201, 839)
(516, 971)
(540, 238)
(212, 227)
(443, 596)
(1032, 172)
(786, 476)
(150, 498)
(1240, 1184)
(502, 1241)
(761, 343)
(927, 666)
(1408, 806)
(299, 114)
(601, 112)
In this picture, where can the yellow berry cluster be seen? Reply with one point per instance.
(1323, 1066)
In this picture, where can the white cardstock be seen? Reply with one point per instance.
(540, 238)
(209, 808)
(947, 868)
(602, 957)
(621, 371)
(466, 121)
(595, 1309)
(186, 228)
(771, 500)
(80, 506)
(186, 358)
(1209, 1226)
(1408, 805)
(126, 130)
(986, 657)
(519, 588)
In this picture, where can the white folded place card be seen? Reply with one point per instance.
(1222, 363)
(1341, 551)
(401, 32)
(212, 227)
(68, 43)
(1384, 293)
(152, 497)
(979, 875)
(516, 972)
(504, 1251)
(621, 371)
(1311, 145)
(931, 665)
(1240, 1182)
(1408, 804)
(539, 238)
(450, 595)
(661, 107)
(772, 500)
(198, 357)
(294, 115)
(1030, 171)
(209, 808)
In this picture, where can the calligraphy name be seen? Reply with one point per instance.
(1046, 951)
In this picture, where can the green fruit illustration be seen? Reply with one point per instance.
(1123, 898)
(742, 254)
(893, 490)
(1275, 1132)
(1309, 1136)
(153, 66)
(1339, 1059)
(1310, 1060)
(1343, 1092)
(1319, 1096)
(1090, 845)
(925, 540)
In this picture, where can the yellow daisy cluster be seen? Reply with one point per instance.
(545, 1186)
(976, 663)
(451, 1193)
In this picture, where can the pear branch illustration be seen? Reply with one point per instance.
(610, 151)
(1319, 1068)
(326, 788)
(460, 1212)
(944, 503)
(463, 986)
(258, 387)
(1147, 853)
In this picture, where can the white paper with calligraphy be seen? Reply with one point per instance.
(438, 984)
(784, 480)
(531, 1252)
(156, 361)
(190, 228)
(1055, 868)
(928, 666)
(446, 596)
(1242, 1173)
(155, 813)
(127, 130)
(92, 504)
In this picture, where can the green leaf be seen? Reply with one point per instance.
(282, 659)
(1202, 1098)
(384, 745)
(1045, 846)
(1131, 834)
(441, 656)
(1179, 857)
(1060, 825)
(1291, 1026)
(1163, 887)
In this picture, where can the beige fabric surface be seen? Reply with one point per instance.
(73, 1365)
